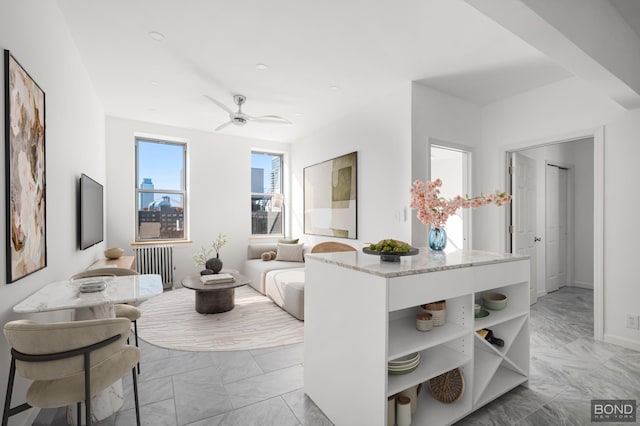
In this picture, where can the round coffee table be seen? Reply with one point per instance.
(214, 298)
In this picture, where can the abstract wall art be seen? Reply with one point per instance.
(330, 197)
(24, 172)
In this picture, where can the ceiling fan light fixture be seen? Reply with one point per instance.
(239, 121)
(239, 118)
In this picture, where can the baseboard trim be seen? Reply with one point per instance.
(583, 284)
(622, 341)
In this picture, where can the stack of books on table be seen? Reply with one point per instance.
(217, 278)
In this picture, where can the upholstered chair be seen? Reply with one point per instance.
(69, 362)
(122, 310)
(331, 247)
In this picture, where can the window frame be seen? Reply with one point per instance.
(139, 191)
(283, 215)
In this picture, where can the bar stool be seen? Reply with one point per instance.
(69, 362)
(122, 310)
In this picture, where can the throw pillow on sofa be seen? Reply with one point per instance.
(290, 252)
(268, 255)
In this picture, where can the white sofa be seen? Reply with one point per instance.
(286, 288)
(256, 269)
(283, 282)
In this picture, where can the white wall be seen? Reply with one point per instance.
(36, 34)
(569, 108)
(555, 112)
(380, 133)
(621, 289)
(392, 135)
(219, 189)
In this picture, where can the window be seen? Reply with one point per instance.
(160, 190)
(452, 166)
(267, 201)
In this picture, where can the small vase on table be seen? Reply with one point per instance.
(214, 264)
(437, 239)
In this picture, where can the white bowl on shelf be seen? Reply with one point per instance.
(404, 367)
(494, 301)
(407, 359)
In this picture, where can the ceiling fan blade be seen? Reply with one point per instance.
(220, 104)
(222, 126)
(271, 119)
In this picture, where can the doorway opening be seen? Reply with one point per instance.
(555, 203)
(451, 165)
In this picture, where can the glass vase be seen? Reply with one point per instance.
(437, 239)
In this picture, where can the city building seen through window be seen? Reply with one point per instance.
(160, 190)
(267, 200)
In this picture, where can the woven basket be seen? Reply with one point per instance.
(437, 311)
(436, 306)
(448, 387)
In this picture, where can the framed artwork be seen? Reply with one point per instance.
(330, 197)
(24, 172)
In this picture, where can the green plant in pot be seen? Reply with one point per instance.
(213, 265)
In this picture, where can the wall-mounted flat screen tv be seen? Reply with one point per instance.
(91, 212)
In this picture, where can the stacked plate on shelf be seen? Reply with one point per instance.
(405, 364)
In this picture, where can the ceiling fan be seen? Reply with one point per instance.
(239, 118)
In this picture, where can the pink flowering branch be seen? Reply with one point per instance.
(435, 210)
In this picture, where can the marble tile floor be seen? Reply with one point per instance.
(265, 387)
(568, 368)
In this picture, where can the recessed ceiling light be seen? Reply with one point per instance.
(299, 114)
(156, 36)
(334, 88)
(262, 67)
(155, 83)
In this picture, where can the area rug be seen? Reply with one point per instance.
(170, 321)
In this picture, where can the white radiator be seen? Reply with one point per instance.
(156, 260)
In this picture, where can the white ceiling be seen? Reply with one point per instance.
(630, 11)
(365, 48)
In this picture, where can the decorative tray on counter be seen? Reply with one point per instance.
(92, 286)
(389, 256)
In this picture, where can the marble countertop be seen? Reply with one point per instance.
(425, 261)
(66, 294)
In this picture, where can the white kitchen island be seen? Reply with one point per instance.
(360, 314)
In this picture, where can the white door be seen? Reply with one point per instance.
(563, 229)
(556, 228)
(552, 217)
(523, 176)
